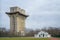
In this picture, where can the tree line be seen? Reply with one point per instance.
(55, 32)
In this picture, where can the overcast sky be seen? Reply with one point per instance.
(42, 13)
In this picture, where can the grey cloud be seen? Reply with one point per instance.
(42, 12)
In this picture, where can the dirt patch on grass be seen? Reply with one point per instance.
(55, 39)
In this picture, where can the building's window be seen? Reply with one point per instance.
(43, 35)
(39, 35)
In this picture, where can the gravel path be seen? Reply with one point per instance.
(55, 39)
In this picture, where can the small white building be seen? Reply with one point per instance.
(42, 34)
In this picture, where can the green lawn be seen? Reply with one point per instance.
(23, 38)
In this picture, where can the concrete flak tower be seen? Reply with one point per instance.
(17, 20)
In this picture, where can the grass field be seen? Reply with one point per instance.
(23, 38)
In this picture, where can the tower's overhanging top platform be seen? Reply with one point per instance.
(14, 10)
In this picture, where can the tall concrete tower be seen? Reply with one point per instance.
(17, 20)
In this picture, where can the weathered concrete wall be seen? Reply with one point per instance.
(17, 20)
